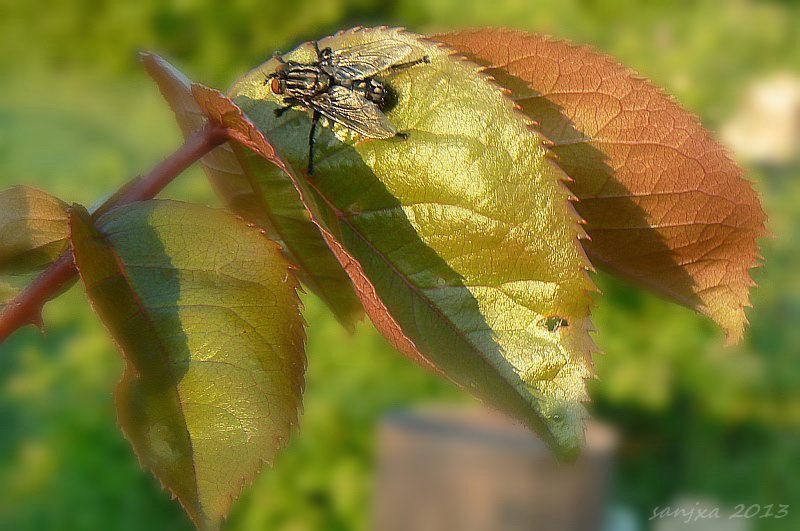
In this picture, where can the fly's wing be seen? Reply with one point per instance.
(353, 111)
(365, 60)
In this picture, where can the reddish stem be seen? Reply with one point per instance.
(26, 307)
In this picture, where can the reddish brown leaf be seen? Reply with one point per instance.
(664, 204)
(218, 107)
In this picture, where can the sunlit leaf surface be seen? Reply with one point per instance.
(460, 240)
(245, 185)
(205, 311)
(664, 204)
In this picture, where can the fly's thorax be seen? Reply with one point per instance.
(305, 80)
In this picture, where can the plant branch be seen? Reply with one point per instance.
(26, 307)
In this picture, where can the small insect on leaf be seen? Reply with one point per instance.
(554, 323)
(344, 86)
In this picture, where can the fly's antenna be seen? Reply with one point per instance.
(277, 56)
(270, 76)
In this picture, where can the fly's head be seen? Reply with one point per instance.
(277, 79)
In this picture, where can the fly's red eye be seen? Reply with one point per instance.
(276, 86)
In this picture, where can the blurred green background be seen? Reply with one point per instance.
(78, 117)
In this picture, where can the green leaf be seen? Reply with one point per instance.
(33, 230)
(460, 240)
(244, 183)
(204, 309)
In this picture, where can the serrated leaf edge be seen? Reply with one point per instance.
(280, 442)
(756, 260)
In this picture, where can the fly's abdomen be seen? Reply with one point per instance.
(376, 91)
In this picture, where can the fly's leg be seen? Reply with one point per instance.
(403, 66)
(290, 103)
(401, 136)
(324, 54)
(311, 141)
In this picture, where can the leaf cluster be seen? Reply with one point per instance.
(529, 162)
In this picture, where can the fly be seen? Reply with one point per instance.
(342, 86)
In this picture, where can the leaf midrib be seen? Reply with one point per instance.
(520, 383)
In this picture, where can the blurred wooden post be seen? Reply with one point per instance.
(451, 469)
